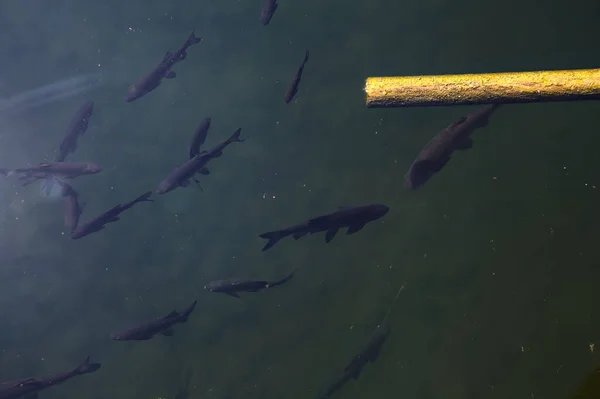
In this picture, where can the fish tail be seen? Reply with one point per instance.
(273, 237)
(144, 197)
(193, 39)
(284, 280)
(306, 54)
(86, 367)
(186, 313)
(236, 136)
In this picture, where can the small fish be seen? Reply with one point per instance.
(181, 175)
(77, 127)
(162, 325)
(232, 287)
(436, 154)
(72, 208)
(268, 10)
(162, 71)
(29, 387)
(368, 355)
(110, 216)
(293, 88)
(354, 218)
(199, 137)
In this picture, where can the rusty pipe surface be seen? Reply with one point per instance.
(485, 88)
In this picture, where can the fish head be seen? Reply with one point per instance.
(133, 93)
(93, 168)
(212, 286)
(379, 210)
(115, 336)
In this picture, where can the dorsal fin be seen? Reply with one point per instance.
(460, 120)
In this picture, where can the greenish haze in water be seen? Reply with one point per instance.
(498, 253)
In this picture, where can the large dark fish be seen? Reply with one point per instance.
(436, 154)
(232, 287)
(199, 137)
(29, 387)
(77, 127)
(354, 218)
(267, 11)
(162, 71)
(110, 216)
(72, 208)
(369, 354)
(162, 325)
(293, 88)
(181, 175)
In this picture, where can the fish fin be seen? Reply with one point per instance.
(236, 136)
(204, 171)
(330, 234)
(198, 184)
(168, 55)
(273, 237)
(171, 75)
(464, 143)
(87, 367)
(460, 120)
(168, 332)
(193, 39)
(300, 234)
(233, 294)
(354, 228)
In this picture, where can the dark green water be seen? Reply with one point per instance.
(497, 253)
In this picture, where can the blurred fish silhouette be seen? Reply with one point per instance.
(60, 90)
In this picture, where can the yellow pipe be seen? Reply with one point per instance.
(485, 88)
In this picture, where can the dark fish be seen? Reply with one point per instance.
(162, 71)
(72, 209)
(267, 11)
(162, 325)
(109, 216)
(199, 137)
(31, 386)
(293, 88)
(436, 154)
(77, 127)
(354, 218)
(369, 354)
(181, 175)
(232, 287)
